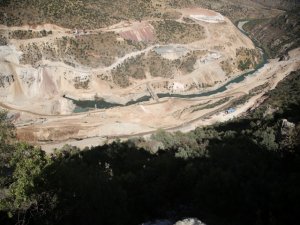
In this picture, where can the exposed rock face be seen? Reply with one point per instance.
(6, 80)
(189, 221)
(286, 127)
(288, 134)
(284, 57)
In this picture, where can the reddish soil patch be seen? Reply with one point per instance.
(94, 55)
(139, 32)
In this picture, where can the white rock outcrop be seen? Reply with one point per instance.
(189, 221)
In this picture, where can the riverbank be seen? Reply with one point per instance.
(102, 126)
(87, 105)
(173, 112)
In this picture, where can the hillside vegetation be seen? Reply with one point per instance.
(233, 9)
(101, 13)
(137, 67)
(280, 4)
(91, 50)
(75, 13)
(169, 31)
(277, 36)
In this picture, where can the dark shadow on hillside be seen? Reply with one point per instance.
(238, 183)
(4, 2)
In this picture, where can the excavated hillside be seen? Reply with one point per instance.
(96, 69)
(43, 64)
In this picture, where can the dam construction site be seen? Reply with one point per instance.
(149, 112)
(86, 86)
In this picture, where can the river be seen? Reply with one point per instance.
(86, 105)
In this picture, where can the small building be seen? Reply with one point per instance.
(230, 110)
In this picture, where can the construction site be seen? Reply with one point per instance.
(135, 76)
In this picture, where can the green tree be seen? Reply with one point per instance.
(164, 137)
(28, 164)
(7, 134)
(267, 138)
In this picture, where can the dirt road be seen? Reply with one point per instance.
(84, 129)
(125, 122)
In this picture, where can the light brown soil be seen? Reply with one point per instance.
(147, 118)
(42, 89)
(198, 11)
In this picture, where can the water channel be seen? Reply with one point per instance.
(86, 105)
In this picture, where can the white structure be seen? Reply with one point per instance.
(176, 87)
(189, 221)
(209, 19)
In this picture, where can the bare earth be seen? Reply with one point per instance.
(142, 119)
(42, 116)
